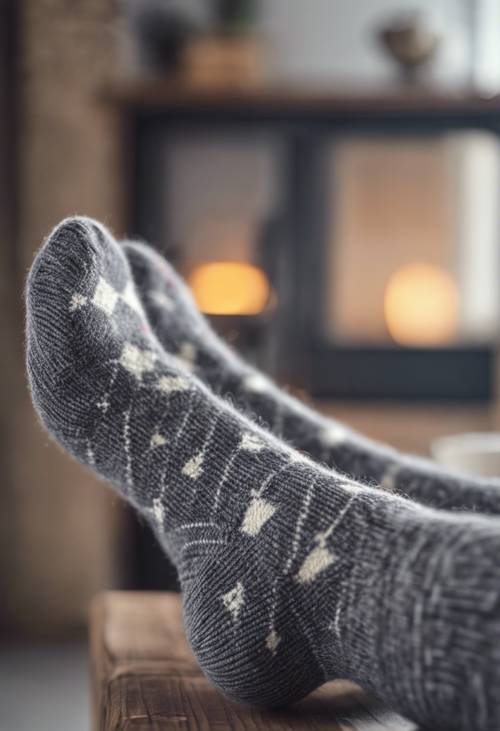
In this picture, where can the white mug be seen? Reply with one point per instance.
(476, 453)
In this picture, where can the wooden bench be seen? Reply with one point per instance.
(145, 678)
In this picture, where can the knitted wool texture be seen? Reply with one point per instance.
(291, 574)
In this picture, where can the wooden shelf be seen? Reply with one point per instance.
(171, 94)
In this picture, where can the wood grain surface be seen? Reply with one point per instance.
(145, 678)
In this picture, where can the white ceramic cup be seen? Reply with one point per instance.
(476, 453)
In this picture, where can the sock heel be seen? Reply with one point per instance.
(231, 635)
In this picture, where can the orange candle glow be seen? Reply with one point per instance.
(230, 288)
(421, 306)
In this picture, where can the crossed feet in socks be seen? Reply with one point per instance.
(291, 573)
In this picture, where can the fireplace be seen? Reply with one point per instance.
(391, 294)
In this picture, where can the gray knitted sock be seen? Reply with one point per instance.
(291, 574)
(182, 330)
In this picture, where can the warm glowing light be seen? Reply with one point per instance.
(230, 288)
(421, 306)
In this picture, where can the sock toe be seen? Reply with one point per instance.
(82, 314)
(174, 316)
(63, 280)
(158, 282)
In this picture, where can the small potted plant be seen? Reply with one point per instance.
(231, 56)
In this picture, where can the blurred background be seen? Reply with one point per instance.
(325, 174)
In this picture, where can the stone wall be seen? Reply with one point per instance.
(61, 530)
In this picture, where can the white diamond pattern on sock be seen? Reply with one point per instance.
(234, 600)
(194, 467)
(137, 361)
(257, 514)
(105, 296)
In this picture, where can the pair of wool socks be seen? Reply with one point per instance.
(291, 573)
